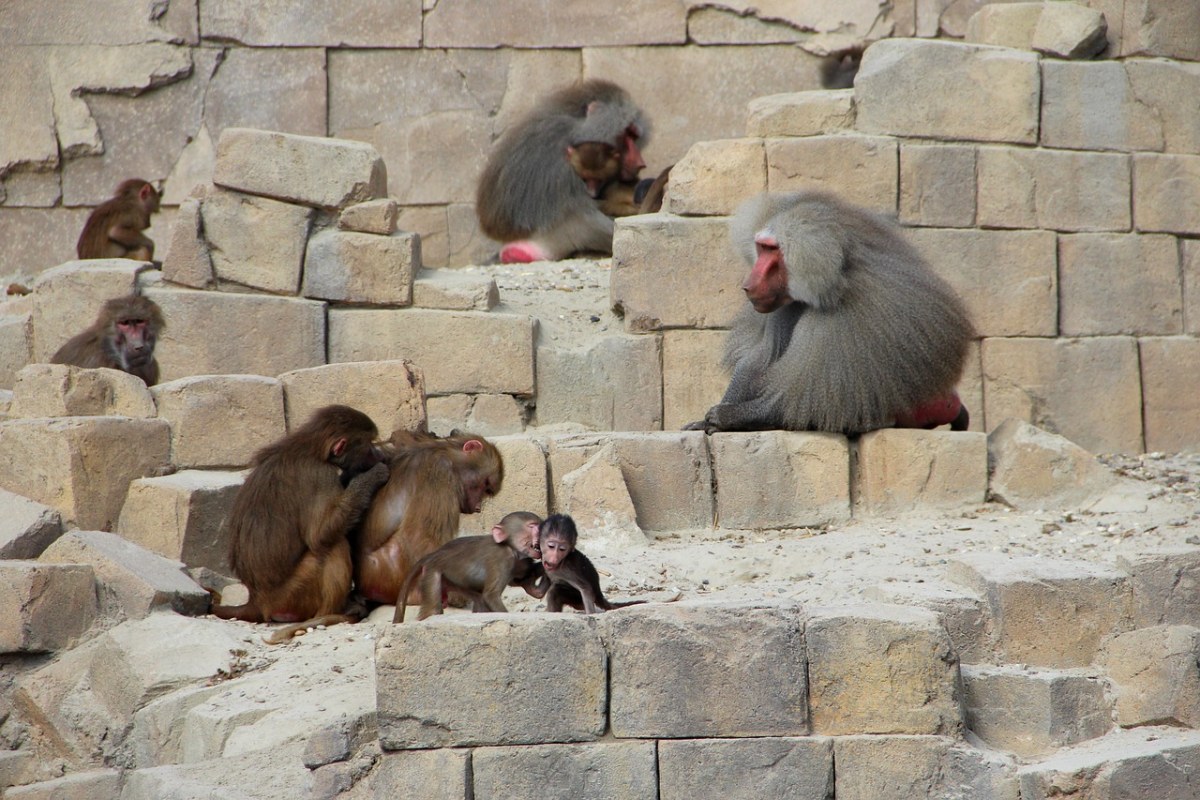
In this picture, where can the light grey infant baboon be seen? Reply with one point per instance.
(847, 330)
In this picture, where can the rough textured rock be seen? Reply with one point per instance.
(595, 495)
(742, 769)
(1170, 392)
(1092, 276)
(57, 390)
(898, 470)
(1068, 30)
(800, 113)
(1156, 674)
(715, 177)
(49, 605)
(1030, 468)
(351, 267)
(371, 216)
(391, 393)
(860, 169)
(187, 259)
(1053, 189)
(26, 527)
(605, 771)
(692, 380)
(938, 185)
(255, 241)
(450, 290)
(613, 384)
(919, 767)
(1166, 585)
(220, 420)
(16, 345)
(181, 517)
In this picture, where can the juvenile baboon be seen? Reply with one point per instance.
(122, 337)
(114, 228)
(573, 578)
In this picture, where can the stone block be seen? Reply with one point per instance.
(49, 605)
(1005, 25)
(801, 113)
(1032, 712)
(1047, 612)
(453, 290)
(485, 414)
(255, 241)
(372, 216)
(1161, 28)
(274, 772)
(220, 420)
(58, 390)
(189, 345)
(525, 486)
(947, 90)
(1166, 585)
(16, 766)
(81, 466)
(779, 479)
(898, 470)
(715, 177)
(1156, 674)
(16, 346)
(458, 351)
(1068, 30)
(692, 379)
(1056, 190)
(67, 298)
(612, 383)
(181, 516)
(351, 267)
(743, 769)
(692, 670)
(937, 185)
(1147, 762)
(391, 393)
(608, 771)
(26, 528)
(1051, 383)
(459, 24)
(1007, 278)
(407, 773)
(960, 612)
(187, 260)
(77, 23)
(1190, 254)
(542, 678)
(881, 669)
(716, 26)
(669, 272)
(596, 497)
(860, 169)
(1033, 469)
(135, 581)
(920, 767)
(357, 23)
(86, 785)
(309, 170)
(1099, 294)
(1166, 188)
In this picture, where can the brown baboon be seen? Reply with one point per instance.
(573, 578)
(114, 228)
(122, 337)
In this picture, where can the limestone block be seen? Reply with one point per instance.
(947, 90)
(667, 474)
(391, 393)
(525, 486)
(1068, 30)
(75, 22)
(81, 466)
(742, 769)
(1156, 673)
(191, 345)
(779, 479)
(373, 216)
(706, 670)
(181, 516)
(134, 580)
(310, 170)
(715, 26)
(1114, 105)
(693, 380)
(1005, 25)
(1033, 469)
(961, 613)
(1053, 189)
(1047, 612)
(1051, 383)
(899, 470)
(76, 786)
(255, 241)
(49, 605)
(452, 290)
(58, 390)
(801, 113)
(406, 773)
(859, 169)
(1161, 28)
(220, 420)
(16, 765)
(1100, 294)
(276, 772)
(669, 272)
(459, 24)
(429, 696)
(1007, 278)
(485, 414)
(355, 267)
(67, 298)
(1166, 585)
(881, 669)
(1146, 762)
(920, 767)
(356, 23)
(937, 185)
(276, 88)
(606, 771)
(613, 383)
(187, 260)
(1166, 191)
(31, 233)
(596, 497)
(26, 527)
(16, 346)
(457, 351)
(1033, 712)
(715, 177)
(1190, 253)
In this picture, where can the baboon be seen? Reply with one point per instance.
(122, 337)
(114, 228)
